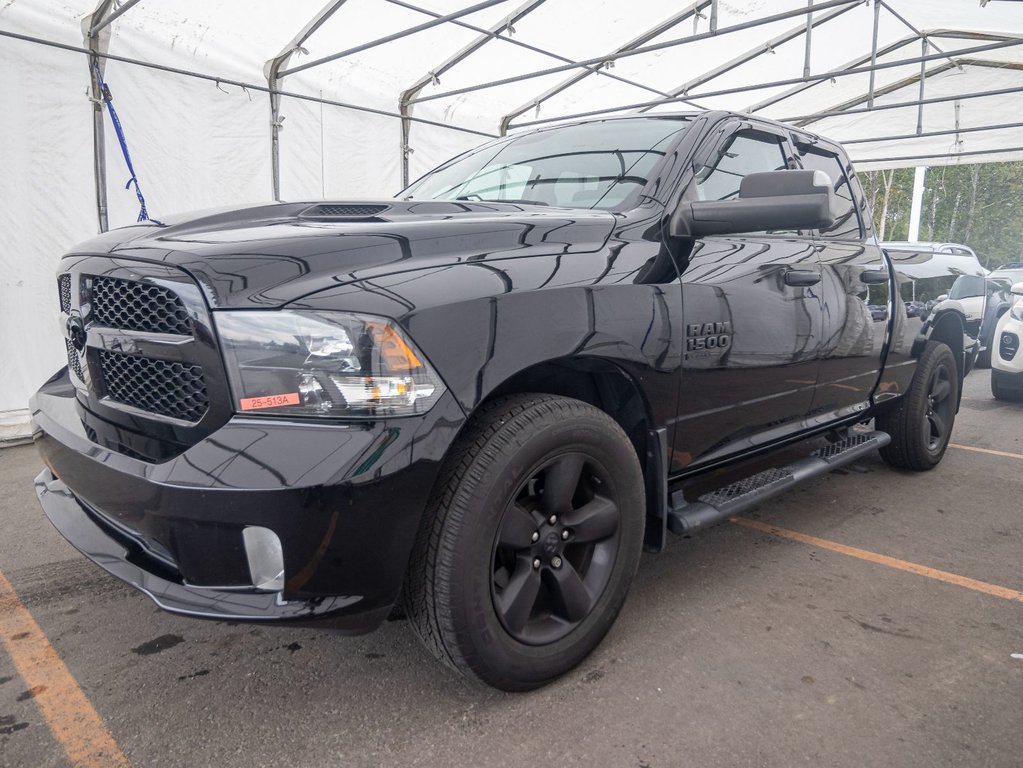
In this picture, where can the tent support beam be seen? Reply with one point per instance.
(258, 88)
(644, 49)
(848, 105)
(396, 36)
(809, 39)
(873, 52)
(642, 39)
(91, 27)
(845, 72)
(802, 120)
(912, 28)
(753, 53)
(272, 71)
(550, 54)
(907, 160)
(404, 101)
(923, 81)
(929, 134)
(104, 21)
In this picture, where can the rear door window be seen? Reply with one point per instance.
(847, 222)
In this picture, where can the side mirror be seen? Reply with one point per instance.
(1017, 289)
(775, 200)
(942, 297)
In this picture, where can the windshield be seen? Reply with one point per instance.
(967, 287)
(589, 165)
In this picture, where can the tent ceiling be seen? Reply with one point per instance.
(498, 65)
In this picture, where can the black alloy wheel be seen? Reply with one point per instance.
(940, 407)
(555, 549)
(530, 542)
(921, 421)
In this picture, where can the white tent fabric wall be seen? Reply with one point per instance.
(198, 143)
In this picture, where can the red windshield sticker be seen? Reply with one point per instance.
(269, 401)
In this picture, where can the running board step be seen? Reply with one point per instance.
(686, 518)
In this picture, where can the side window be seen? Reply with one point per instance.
(847, 223)
(747, 152)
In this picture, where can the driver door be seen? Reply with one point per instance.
(753, 316)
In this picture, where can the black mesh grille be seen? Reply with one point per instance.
(73, 360)
(134, 306)
(64, 288)
(160, 386)
(327, 211)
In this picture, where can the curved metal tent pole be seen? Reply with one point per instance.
(642, 39)
(272, 71)
(404, 100)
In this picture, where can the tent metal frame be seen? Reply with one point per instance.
(97, 28)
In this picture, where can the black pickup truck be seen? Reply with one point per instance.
(476, 403)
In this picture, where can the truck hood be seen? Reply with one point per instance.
(269, 255)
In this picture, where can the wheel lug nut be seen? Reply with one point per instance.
(556, 562)
(536, 563)
(564, 535)
(552, 519)
(536, 536)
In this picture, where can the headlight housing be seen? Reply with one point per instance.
(1017, 308)
(324, 364)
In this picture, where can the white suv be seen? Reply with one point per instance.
(1006, 358)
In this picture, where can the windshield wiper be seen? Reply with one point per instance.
(478, 199)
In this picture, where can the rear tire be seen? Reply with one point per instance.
(921, 425)
(496, 589)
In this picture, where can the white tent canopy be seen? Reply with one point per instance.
(230, 101)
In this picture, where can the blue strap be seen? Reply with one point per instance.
(143, 213)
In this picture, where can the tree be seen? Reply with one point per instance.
(977, 205)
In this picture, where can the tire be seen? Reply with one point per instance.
(922, 423)
(493, 587)
(1001, 392)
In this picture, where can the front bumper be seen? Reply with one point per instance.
(345, 501)
(1007, 346)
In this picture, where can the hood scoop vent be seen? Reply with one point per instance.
(344, 211)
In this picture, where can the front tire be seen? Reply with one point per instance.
(921, 425)
(530, 542)
(1000, 391)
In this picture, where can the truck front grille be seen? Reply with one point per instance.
(164, 387)
(134, 306)
(64, 289)
(74, 362)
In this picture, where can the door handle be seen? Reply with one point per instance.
(874, 276)
(802, 278)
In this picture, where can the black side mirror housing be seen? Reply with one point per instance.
(775, 200)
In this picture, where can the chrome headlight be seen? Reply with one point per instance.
(325, 364)
(1017, 309)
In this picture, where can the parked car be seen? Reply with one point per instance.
(1007, 360)
(1011, 273)
(478, 400)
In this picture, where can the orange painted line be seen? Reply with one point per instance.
(891, 562)
(67, 711)
(990, 451)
